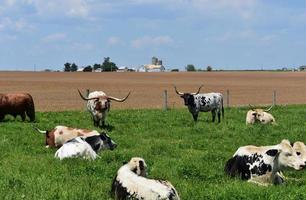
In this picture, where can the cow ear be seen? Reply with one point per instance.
(125, 162)
(272, 152)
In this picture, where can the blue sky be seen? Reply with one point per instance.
(226, 34)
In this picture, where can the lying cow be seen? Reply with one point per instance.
(17, 104)
(98, 104)
(259, 115)
(300, 149)
(203, 103)
(61, 134)
(131, 183)
(263, 165)
(86, 148)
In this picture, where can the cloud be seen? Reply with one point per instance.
(8, 24)
(54, 37)
(113, 40)
(148, 41)
(70, 8)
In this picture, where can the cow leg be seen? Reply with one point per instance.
(23, 116)
(219, 116)
(195, 117)
(213, 112)
(1, 118)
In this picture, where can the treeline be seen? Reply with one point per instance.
(106, 66)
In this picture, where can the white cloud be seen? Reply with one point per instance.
(148, 41)
(7, 23)
(113, 40)
(54, 37)
(82, 46)
(71, 8)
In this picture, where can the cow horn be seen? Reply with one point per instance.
(267, 110)
(86, 99)
(177, 92)
(251, 107)
(41, 131)
(197, 91)
(117, 99)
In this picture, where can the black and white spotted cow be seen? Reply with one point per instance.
(203, 103)
(263, 165)
(131, 183)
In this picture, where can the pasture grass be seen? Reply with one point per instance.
(190, 155)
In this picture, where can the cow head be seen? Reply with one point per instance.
(300, 149)
(102, 103)
(108, 143)
(287, 156)
(188, 97)
(138, 166)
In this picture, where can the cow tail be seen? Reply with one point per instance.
(231, 167)
(222, 107)
(30, 108)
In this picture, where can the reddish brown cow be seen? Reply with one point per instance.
(17, 104)
(61, 134)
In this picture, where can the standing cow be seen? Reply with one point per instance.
(98, 104)
(17, 104)
(203, 103)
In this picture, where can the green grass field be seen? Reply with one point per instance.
(190, 155)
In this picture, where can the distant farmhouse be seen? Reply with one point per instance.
(155, 66)
(125, 69)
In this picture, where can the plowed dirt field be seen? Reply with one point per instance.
(57, 91)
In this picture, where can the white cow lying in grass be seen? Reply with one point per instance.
(263, 165)
(259, 115)
(131, 183)
(85, 148)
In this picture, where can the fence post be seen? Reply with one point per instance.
(274, 97)
(165, 100)
(227, 98)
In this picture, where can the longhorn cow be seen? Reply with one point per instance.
(259, 115)
(204, 102)
(98, 104)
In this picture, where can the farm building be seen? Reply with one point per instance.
(155, 66)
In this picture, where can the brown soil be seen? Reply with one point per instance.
(57, 91)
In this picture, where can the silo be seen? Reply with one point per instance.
(154, 60)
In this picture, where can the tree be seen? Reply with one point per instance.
(96, 66)
(67, 67)
(73, 67)
(190, 68)
(87, 69)
(209, 68)
(108, 66)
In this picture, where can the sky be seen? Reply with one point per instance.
(224, 34)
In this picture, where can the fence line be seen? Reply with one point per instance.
(227, 96)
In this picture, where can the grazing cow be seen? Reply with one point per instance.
(259, 115)
(300, 149)
(263, 165)
(17, 104)
(203, 103)
(98, 104)
(131, 183)
(86, 148)
(61, 134)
